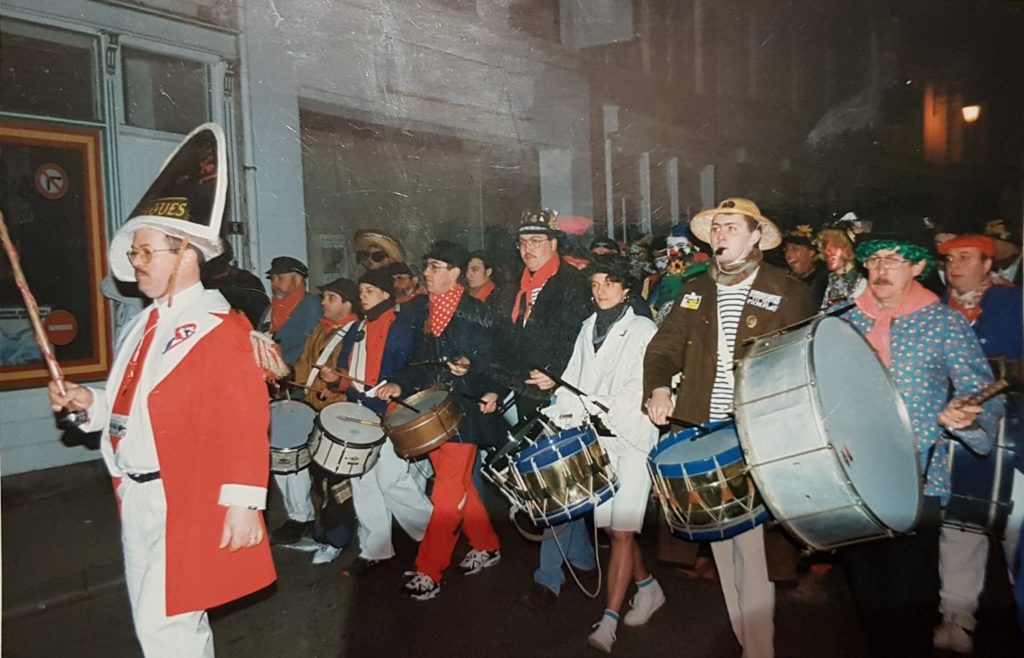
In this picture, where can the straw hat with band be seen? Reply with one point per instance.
(366, 240)
(186, 200)
(700, 225)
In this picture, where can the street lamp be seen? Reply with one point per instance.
(970, 113)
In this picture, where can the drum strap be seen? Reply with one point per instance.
(336, 337)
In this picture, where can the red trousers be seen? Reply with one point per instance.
(456, 501)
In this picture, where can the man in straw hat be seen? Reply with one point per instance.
(739, 297)
(376, 250)
(189, 471)
(929, 350)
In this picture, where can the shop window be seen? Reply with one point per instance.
(162, 92)
(47, 72)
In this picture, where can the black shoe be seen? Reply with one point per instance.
(537, 597)
(290, 532)
(361, 565)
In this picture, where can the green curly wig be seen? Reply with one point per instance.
(912, 252)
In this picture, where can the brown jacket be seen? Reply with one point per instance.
(687, 341)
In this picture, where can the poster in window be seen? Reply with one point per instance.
(51, 194)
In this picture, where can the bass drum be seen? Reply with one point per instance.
(826, 436)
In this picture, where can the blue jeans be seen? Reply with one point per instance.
(575, 542)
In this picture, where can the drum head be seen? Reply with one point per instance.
(681, 453)
(551, 449)
(290, 423)
(340, 421)
(424, 401)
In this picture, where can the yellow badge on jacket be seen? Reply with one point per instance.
(690, 300)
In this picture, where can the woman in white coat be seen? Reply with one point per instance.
(606, 364)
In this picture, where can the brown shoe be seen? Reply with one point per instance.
(539, 598)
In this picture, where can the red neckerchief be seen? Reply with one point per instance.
(531, 281)
(331, 325)
(442, 308)
(282, 309)
(969, 303)
(376, 337)
(916, 298)
(483, 291)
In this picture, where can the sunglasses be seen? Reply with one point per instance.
(375, 256)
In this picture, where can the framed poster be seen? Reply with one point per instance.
(51, 194)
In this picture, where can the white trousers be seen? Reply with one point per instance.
(143, 525)
(392, 489)
(296, 488)
(749, 595)
(963, 557)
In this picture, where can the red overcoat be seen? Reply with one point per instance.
(210, 422)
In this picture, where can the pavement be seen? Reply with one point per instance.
(63, 592)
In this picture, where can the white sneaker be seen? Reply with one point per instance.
(603, 636)
(476, 561)
(951, 636)
(305, 544)
(644, 603)
(421, 587)
(325, 554)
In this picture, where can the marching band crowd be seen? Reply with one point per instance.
(614, 348)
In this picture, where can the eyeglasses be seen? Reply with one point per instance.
(145, 255)
(885, 262)
(524, 243)
(375, 256)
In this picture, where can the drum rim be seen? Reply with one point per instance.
(543, 448)
(291, 404)
(708, 464)
(565, 514)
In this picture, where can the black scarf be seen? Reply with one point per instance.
(380, 309)
(606, 319)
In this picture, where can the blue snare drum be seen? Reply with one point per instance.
(702, 481)
(981, 484)
(562, 477)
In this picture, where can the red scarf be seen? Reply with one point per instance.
(531, 281)
(442, 308)
(282, 309)
(484, 291)
(376, 337)
(331, 325)
(916, 298)
(969, 303)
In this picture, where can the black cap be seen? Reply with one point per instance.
(347, 288)
(543, 221)
(380, 279)
(400, 268)
(606, 243)
(449, 252)
(286, 264)
(801, 234)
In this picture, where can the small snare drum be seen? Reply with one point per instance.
(347, 438)
(290, 424)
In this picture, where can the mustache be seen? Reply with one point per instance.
(882, 281)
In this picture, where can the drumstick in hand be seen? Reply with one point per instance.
(569, 387)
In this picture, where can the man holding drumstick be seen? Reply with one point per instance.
(454, 333)
(739, 297)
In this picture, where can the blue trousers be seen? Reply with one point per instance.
(575, 542)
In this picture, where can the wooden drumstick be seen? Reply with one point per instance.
(569, 387)
(990, 391)
(395, 398)
(45, 348)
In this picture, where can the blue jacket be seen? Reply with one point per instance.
(292, 336)
(999, 327)
(397, 348)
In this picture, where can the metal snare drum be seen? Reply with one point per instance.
(347, 438)
(416, 434)
(827, 437)
(564, 476)
(497, 468)
(290, 424)
(705, 489)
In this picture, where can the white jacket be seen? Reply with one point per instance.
(612, 376)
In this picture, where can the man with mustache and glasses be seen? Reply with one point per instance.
(935, 362)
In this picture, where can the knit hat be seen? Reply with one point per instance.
(379, 279)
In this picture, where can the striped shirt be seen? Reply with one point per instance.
(731, 300)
